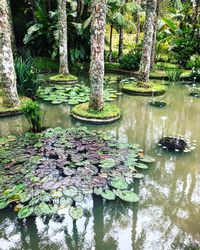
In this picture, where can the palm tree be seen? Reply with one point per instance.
(138, 24)
(7, 70)
(153, 51)
(62, 23)
(98, 23)
(145, 63)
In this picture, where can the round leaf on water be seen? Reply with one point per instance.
(44, 208)
(108, 195)
(147, 159)
(3, 203)
(56, 194)
(141, 165)
(119, 183)
(66, 201)
(76, 212)
(70, 191)
(107, 163)
(78, 198)
(138, 176)
(129, 196)
(25, 212)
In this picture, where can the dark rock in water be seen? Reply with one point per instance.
(173, 143)
(158, 104)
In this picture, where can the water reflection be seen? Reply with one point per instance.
(168, 213)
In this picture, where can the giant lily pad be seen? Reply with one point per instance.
(147, 159)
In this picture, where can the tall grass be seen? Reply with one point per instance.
(27, 77)
(34, 115)
(173, 74)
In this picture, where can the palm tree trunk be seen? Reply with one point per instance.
(153, 52)
(110, 49)
(195, 11)
(98, 24)
(62, 23)
(13, 41)
(145, 63)
(7, 69)
(137, 38)
(121, 43)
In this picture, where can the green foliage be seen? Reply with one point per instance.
(63, 78)
(27, 77)
(173, 74)
(194, 64)
(34, 115)
(46, 64)
(43, 31)
(131, 60)
(114, 56)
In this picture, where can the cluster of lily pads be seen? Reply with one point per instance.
(41, 174)
(73, 94)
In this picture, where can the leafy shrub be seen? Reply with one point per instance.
(131, 61)
(114, 56)
(27, 77)
(194, 64)
(173, 74)
(34, 115)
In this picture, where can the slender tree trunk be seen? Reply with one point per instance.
(7, 69)
(110, 49)
(13, 41)
(153, 52)
(62, 23)
(121, 43)
(145, 63)
(137, 38)
(98, 24)
(195, 10)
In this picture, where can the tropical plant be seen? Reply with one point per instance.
(131, 60)
(173, 74)
(194, 64)
(34, 115)
(27, 77)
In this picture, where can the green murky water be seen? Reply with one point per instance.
(168, 214)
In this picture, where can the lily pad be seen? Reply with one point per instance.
(147, 159)
(108, 195)
(129, 196)
(141, 165)
(70, 191)
(76, 212)
(119, 183)
(25, 212)
(107, 163)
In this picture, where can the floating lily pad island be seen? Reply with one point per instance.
(42, 174)
(144, 89)
(12, 111)
(63, 79)
(109, 114)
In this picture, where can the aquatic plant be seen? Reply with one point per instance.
(57, 169)
(72, 94)
(34, 115)
(27, 77)
(173, 74)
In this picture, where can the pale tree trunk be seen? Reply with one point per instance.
(145, 63)
(153, 52)
(62, 23)
(13, 41)
(7, 69)
(137, 38)
(110, 48)
(121, 43)
(98, 24)
(195, 10)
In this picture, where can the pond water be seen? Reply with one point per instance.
(167, 215)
